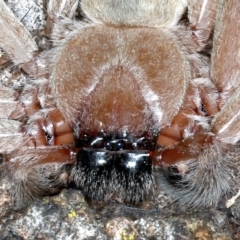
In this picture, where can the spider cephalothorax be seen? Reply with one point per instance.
(132, 87)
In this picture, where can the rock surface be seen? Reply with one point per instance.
(68, 216)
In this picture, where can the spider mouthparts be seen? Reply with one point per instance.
(101, 173)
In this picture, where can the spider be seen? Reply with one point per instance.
(136, 93)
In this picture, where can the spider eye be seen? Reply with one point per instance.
(107, 145)
(120, 145)
(114, 145)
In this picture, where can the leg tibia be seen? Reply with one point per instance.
(34, 172)
(22, 50)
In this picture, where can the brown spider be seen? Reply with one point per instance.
(137, 92)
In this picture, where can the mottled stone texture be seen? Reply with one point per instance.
(67, 216)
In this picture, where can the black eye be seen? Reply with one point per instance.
(120, 145)
(107, 145)
(114, 145)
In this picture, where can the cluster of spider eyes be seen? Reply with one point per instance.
(116, 144)
(107, 142)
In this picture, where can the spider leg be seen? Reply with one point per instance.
(34, 172)
(22, 50)
(36, 142)
(60, 9)
(225, 72)
(37, 155)
(9, 135)
(201, 98)
(37, 148)
(226, 62)
(206, 166)
(202, 15)
(9, 129)
(199, 106)
(7, 103)
(205, 160)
